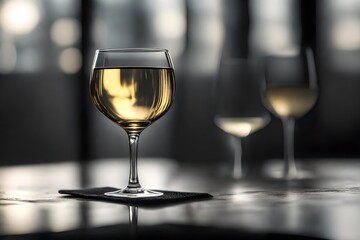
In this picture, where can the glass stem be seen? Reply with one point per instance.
(133, 177)
(237, 168)
(289, 167)
(133, 221)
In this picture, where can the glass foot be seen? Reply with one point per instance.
(133, 193)
(275, 169)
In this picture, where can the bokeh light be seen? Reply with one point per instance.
(70, 60)
(346, 34)
(170, 24)
(19, 16)
(65, 31)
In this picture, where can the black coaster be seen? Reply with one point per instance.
(168, 198)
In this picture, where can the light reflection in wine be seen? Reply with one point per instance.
(122, 95)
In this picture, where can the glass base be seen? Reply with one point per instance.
(275, 169)
(133, 193)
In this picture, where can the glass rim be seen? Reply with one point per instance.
(133, 50)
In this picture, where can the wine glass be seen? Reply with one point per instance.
(239, 108)
(133, 88)
(291, 91)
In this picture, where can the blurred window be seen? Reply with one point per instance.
(342, 34)
(275, 27)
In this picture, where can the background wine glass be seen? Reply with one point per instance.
(239, 109)
(291, 91)
(133, 88)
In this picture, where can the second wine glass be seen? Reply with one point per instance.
(239, 109)
(291, 91)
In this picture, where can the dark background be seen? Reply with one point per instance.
(46, 114)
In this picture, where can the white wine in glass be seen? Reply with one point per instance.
(133, 88)
(291, 101)
(133, 97)
(241, 126)
(239, 109)
(291, 91)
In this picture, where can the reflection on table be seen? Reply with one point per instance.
(327, 206)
